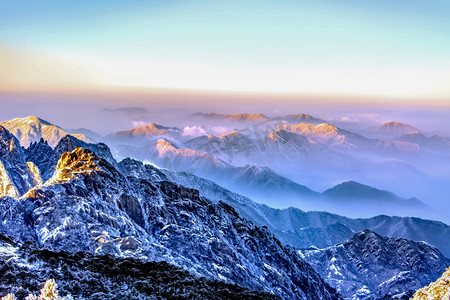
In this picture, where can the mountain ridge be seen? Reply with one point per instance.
(32, 129)
(88, 205)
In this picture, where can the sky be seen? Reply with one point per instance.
(392, 50)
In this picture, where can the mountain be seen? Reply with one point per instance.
(276, 149)
(264, 183)
(164, 153)
(91, 135)
(340, 139)
(282, 149)
(32, 129)
(286, 146)
(295, 227)
(398, 148)
(133, 111)
(143, 135)
(391, 129)
(327, 134)
(440, 289)
(350, 192)
(16, 174)
(88, 205)
(25, 266)
(369, 266)
(234, 147)
(322, 229)
(301, 118)
(46, 158)
(243, 117)
(133, 211)
(416, 137)
(250, 180)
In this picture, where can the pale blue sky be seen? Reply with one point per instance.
(321, 34)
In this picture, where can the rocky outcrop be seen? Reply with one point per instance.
(440, 289)
(43, 156)
(16, 176)
(369, 266)
(69, 143)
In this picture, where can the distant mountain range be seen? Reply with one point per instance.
(244, 117)
(251, 162)
(233, 117)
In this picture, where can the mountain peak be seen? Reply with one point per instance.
(393, 124)
(79, 161)
(352, 189)
(303, 118)
(10, 149)
(141, 134)
(32, 129)
(393, 129)
(34, 119)
(233, 117)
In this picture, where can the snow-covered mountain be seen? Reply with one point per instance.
(32, 129)
(134, 210)
(89, 205)
(245, 117)
(300, 118)
(143, 135)
(275, 148)
(296, 227)
(25, 267)
(262, 183)
(250, 180)
(327, 134)
(369, 266)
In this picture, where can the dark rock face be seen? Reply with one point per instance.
(132, 207)
(69, 143)
(86, 276)
(88, 205)
(15, 173)
(43, 156)
(369, 266)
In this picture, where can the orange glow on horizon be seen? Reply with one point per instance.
(30, 73)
